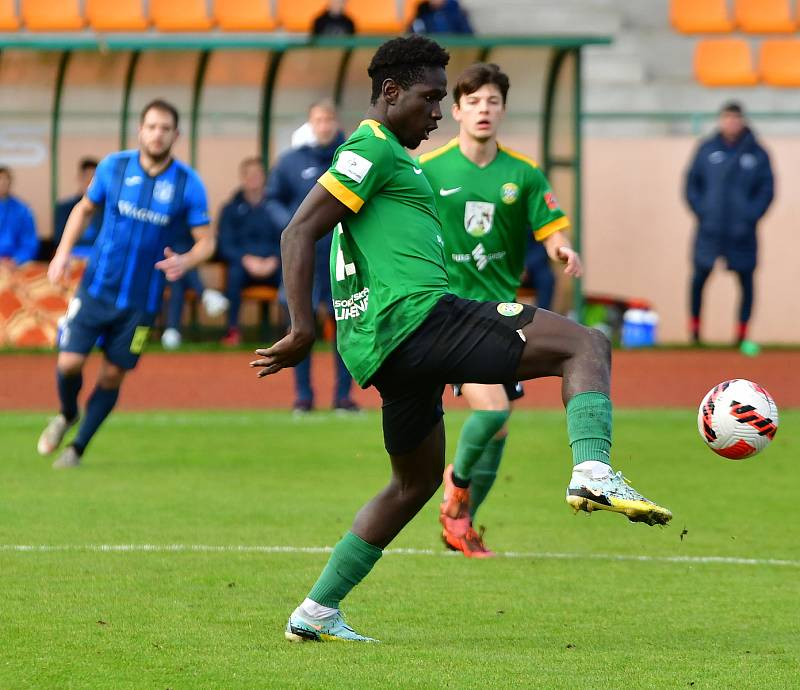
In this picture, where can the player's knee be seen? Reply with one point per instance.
(598, 344)
(70, 363)
(110, 376)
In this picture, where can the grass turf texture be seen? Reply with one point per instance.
(84, 619)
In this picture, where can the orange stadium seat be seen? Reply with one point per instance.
(779, 63)
(116, 15)
(700, 16)
(724, 62)
(374, 16)
(244, 15)
(8, 16)
(52, 15)
(764, 16)
(299, 15)
(180, 15)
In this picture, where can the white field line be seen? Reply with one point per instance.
(241, 548)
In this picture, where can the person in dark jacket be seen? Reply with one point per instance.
(729, 187)
(83, 247)
(18, 240)
(333, 21)
(249, 242)
(293, 176)
(440, 17)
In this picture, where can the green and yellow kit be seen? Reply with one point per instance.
(387, 257)
(486, 214)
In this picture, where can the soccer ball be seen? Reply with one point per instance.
(737, 419)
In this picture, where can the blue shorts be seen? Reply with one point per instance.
(122, 332)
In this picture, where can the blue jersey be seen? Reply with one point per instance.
(143, 215)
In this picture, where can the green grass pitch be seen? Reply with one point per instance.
(588, 602)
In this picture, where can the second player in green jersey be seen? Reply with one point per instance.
(489, 198)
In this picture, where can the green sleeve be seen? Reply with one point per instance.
(544, 214)
(360, 169)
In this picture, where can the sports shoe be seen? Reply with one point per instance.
(214, 302)
(302, 407)
(471, 544)
(233, 338)
(171, 339)
(346, 406)
(301, 629)
(53, 434)
(454, 509)
(69, 458)
(611, 491)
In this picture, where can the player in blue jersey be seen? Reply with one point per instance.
(149, 198)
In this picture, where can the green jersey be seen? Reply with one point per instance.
(486, 213)
(387, 256)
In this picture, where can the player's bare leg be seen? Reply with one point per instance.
(69, 368)
(556, 346)
(468, 480)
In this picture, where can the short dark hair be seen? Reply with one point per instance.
(480, 74)
(164, 106)
(86, 163)
(404, 60)
(5, 170)
(732, 107)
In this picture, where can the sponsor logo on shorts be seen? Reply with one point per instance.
(509, 193)
(509, 308)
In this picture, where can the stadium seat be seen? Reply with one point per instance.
(724, 62)
(244, 15)
(700, 16)
(180, 15)
(374, 16)
(52, 15)
(8, 16)
(764, 16)
(779, 62)
(299, 15)
(116, 15)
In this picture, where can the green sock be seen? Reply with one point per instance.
(589, 427)
(350, 562)
(484, 472)
(476, 433)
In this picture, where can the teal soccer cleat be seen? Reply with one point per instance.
(612, 492)
(302, 629)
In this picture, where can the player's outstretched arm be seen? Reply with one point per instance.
(319, 213)
(77, 222)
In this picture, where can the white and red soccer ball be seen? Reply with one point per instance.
(737, 419)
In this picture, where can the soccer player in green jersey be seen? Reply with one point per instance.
(403, 331)
(488, 197)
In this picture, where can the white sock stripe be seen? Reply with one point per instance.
(243, 548)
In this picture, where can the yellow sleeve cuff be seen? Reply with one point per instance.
(342, 193)
(552, 227)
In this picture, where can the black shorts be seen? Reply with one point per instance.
(120, 333)
(514, 391)
(460, 340)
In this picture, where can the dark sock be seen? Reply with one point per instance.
(98, 408)
(68, 389)
(350, 562)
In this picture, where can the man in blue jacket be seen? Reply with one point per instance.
(249, 242)
(83, 247)
(729, 187)
(293, 176)
(18, 240)
(440, 17)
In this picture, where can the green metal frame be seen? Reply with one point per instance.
(566, 51)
